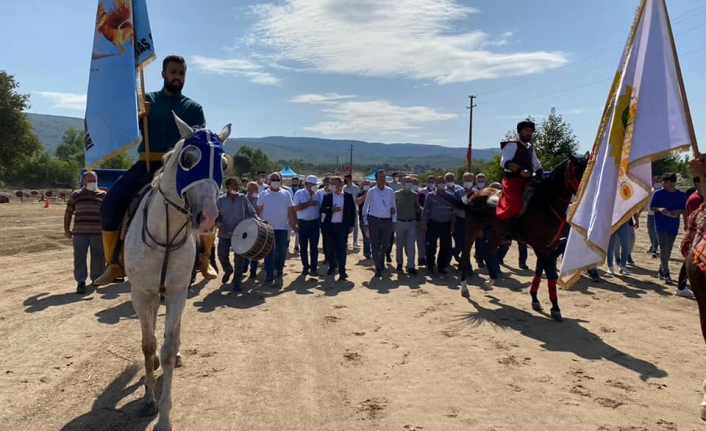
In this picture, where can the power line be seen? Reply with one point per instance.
(686, 15)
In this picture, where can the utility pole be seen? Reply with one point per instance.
(350, 164)
(469, 152)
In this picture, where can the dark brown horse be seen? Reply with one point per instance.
(541, 226)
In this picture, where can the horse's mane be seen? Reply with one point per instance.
(549, 189)
(165, 163)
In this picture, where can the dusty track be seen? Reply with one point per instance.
(405, 353)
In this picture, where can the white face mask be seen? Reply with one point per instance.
(366, 187)
(450, 185)
(658, 185)
(408, 186)
(431, 186)
(480, 185)
(275, 184)
(468, 184)
(91, 186)
(233, 192)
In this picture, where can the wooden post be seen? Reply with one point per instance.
(145, 124)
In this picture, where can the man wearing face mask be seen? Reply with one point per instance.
(275, 206)
(160, 107)
(84, 207)
(459, 233)
(233, 207)
(520, 162)
(307, 203)
(360, 200)
(261, 184)
(338, 213)
(354, 191)
(480, 182)
(438, 225)
(408, 211)
(421, 236)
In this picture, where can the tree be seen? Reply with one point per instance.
(72, 147)
(18, 141)
(553, 140)
(675, 163)
(242, 163)
(119, 161)
(258, 160)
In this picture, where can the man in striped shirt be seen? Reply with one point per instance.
(84, 207)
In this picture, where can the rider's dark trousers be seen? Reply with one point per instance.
(117, 201)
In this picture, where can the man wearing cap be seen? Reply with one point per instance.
(307, 203)
(520, 162)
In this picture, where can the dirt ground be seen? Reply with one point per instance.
(404, 354)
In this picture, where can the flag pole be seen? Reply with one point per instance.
(145, 124)
(685, 101)
(609, 106)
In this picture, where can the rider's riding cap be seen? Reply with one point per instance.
(525, 124)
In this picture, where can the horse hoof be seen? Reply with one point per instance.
(488, 284)
(162, 428)
(178, 363)
(149, 409)
(556, 314)
(536, 306)
(156, 363)
(703, 413)
(465, 293)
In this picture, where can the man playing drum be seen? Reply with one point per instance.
(233, 207)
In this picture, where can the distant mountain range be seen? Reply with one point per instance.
(50, 128)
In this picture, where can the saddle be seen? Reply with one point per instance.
(132, 210)
(494, 197)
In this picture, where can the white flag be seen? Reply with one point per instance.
(646, 118)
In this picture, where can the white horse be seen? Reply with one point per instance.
(160, 248)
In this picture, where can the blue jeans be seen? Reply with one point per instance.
(652, 232)
(118, 199)
(275, 258)
(309, 235)
(622, 235)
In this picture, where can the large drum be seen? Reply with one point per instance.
(253, 239)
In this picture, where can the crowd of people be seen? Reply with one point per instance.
(414, 215)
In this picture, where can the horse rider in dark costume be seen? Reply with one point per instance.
(519, 161)
(163, 135)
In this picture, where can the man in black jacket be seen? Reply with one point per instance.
(338, 212)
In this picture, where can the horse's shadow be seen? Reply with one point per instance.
(104, 414)
(226, 297)
(568, 336)
(44, 300)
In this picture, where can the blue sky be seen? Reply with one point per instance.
(375, 70)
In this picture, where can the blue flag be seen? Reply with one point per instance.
(122, 45)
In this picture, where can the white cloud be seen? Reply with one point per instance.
(64, 100)
(237, 67)
(321, 99)
(416, 39)
(377, 117)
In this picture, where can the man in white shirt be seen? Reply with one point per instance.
(395, 184)
(307, 203)
(379, 219)
(354, 191)
(275, 206)
(261, 184)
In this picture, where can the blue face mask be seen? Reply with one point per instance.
(201, 160)
(415, 188)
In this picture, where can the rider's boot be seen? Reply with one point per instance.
(113, 255)
(207, 240)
